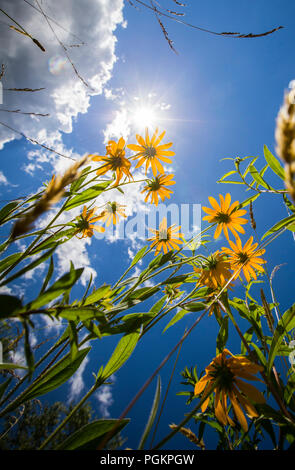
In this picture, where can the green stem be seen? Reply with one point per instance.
(29, 249)
(188, 417)
(129, 269)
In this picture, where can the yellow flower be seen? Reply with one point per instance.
(85, 223)
(165, 237)
(157, 188)
(214, 271)
(111, 213)
(225, 215)
(226, 372)
(246, 258)
(114, 160)
(150, 152)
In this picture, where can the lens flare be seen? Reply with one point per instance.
(144, 116)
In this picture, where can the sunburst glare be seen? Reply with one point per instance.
(144, 116)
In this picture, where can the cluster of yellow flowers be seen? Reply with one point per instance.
(216, 272)
(223, 375)
(148, 152)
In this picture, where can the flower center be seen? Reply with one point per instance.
(112, 207)
(154, 185)
(212, 262)
(224, 375)
(150, 151)
(163, 235)
(83, 224)
(243, 257)
(117, 161)
(222, 218)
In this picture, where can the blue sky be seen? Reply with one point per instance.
(218, 97)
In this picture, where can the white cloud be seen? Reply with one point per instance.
(3, 179)
(92, 22)
(76, 381)
(64, 96)
(105, 398)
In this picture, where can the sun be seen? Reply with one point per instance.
(144, 116)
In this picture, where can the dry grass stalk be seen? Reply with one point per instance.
(190, 435)
(252, 219)
(285, 138)
(269, 317)
(51, 195)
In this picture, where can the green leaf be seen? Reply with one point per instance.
(176, 279)
(6, 262)
(9, 305)
(268, 412)
(4, 386)
(54, 377)
(29, 267)
(138, 256)
(267, 426)
(79, 313)
(97, 295)
(10, 365)
(222, 335)
(92, 328)
(248, 337)
(258, 178)
(126, 324)
(160, 260)
(247, 201)
(48, 275)
(232, 172)
(90, 436)
(152, 415)
(282, 223)
(28, 351)
(6, 210)
(143, 293)
(87, 195)
(157, 306)
(230, 182)
(120, 355)
(195, 306)
(77, 183)
(273, 163)
(55, 240)
(59, 287)
(259, 354)
(178, 316)
(285, 324)
(73, 337)
(288, 203)
(253, 160)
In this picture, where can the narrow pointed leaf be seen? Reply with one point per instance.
(58, 288)
(120, 355)
(152, 415)
(91, 435)
(53, 378)
(138, 256)
(286, 324)
(30, 266)
(274, 163)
